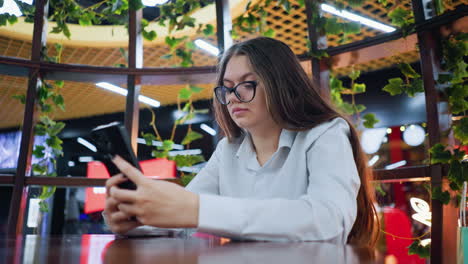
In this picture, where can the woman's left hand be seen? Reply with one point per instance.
(156, 203)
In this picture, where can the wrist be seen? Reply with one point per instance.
(194, 206)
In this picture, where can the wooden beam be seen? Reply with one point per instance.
(135, 61)
(223, 25)
(20, 191)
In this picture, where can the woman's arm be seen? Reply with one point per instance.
(326, 212)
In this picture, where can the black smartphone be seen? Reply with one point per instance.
(110, 140)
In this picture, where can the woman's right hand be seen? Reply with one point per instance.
(118, 221)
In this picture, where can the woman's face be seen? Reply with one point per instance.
(251, 115)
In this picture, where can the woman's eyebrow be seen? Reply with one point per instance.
(242, 77)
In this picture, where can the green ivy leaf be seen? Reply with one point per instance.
(12, 19)
(332, 26)
(444, 78)
(159, 154)
(456, 175)
(190, 45)
(59, 101)
(355, 74)
(185, 94)
(47, 192)
(148, 137)
(149, 35)
(417, 249)
(135, 5)
(416, 86)
(360, 108)
(167, 145)
(201, 111)
(399, 16)
(270, 33)
(20, 97)
(439, 154)
(39, 169)
(59, 83)
(40, 130)
(38, 151)
(370, 120)
(57, 128)
(408, 71)
(196, 89)
(443, 197)
(208, 30)
(43, 207)
(191, 136)
(461, 130)
(347, 108)
(186, 179)
(359, 88)
(394, 86)
(187, 160)
(351, 28)
(336, 84)
(54, 142)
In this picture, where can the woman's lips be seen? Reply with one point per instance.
(239, 110)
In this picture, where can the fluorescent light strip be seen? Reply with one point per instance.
(85, 159)
(374, 159)
(185, 152)
(357, 18)
(396, 165)
(159, 143)
(87, 144)
(124, 92)
(153, 2)
(207, 47)
(208, 129)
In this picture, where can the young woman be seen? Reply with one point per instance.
(290, 168)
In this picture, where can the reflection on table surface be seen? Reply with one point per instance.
(195, 248)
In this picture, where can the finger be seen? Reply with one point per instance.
(119, 217)
(128, 170)
(111, 205)
(124, 227)
(123, 195)
(129, 209)
(114, 181)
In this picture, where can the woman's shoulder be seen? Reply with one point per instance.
(335, 127)
(226, 146)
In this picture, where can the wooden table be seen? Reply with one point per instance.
(197, 248)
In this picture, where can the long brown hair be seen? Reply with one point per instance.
(295, 104)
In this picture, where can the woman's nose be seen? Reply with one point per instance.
(231, 97)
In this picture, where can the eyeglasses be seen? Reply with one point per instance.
(244, 91)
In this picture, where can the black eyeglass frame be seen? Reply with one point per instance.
(234, 89)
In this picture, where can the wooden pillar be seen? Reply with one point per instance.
(20, 190)
(320, 69)
(223, 25)
(443, 231)
(135, 61)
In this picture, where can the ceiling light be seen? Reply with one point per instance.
(414, 135)
(87, 144)
(122, 91)
(208, 129)
(395, 165)
(153, 2)
(373, 160)
(371, 139)
(159, 144)
(85, 159)
(357, 18)
(208, 47)
(10, 7)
